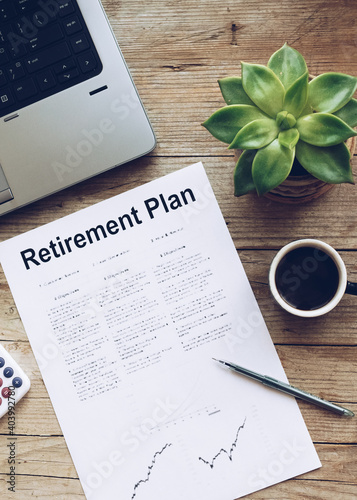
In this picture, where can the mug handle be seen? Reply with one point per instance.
(351, 288)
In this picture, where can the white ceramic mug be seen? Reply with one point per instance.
(308, 278)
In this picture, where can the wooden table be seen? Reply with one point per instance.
(176, 51)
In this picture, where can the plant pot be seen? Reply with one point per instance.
(302, 188)
(297, 189)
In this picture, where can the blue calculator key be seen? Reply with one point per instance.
(2, 362)
(17, 382)
(8, 372)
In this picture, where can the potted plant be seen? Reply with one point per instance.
(286, 123)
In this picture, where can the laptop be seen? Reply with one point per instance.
(69, 109)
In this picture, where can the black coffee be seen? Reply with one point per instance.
(307, 278)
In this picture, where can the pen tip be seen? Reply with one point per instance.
(349, 413)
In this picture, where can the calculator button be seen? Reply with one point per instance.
(2, 362)
(0, 401)
(17, 382)
(8, 372)
(6, 392)
(1, 382)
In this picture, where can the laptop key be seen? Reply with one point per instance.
(69, 75)
(79, 44)
(66, 8)
(87, 62)
(7, 12)
(15, 71)
(72, 25)
(46, 80)
(25, 89)
(25, 5)
(64, 66)
(47, 57)
(6, 98)
(45, 37)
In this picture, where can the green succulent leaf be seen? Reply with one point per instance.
(323, 129)
(348, 113)
(330, 164)
(271, 166)
(307, 109)
(296, 96)
(289, 138)
(288, 65)
(256, 134)
(233, 91)
(263, 87)
(285, 120)
(226, 122)
(243, 180)
(331, 91)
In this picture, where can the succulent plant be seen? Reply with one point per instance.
(276, 113)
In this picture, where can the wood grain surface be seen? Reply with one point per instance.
(176, 51)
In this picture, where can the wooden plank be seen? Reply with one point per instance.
(313, 490)
(46, 488)
(330, 372)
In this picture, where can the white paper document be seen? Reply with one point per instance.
(125, 304)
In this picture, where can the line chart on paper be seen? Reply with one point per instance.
(149, 469)
(229, 453)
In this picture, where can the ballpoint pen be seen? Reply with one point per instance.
(288, 389)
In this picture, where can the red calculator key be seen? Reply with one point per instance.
(6, 392)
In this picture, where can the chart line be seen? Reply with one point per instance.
(222, 451)
(150, 468)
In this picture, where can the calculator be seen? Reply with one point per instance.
(14, 383)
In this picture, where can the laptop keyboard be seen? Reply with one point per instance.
(45, 47)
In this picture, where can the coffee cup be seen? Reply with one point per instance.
(308, 278)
